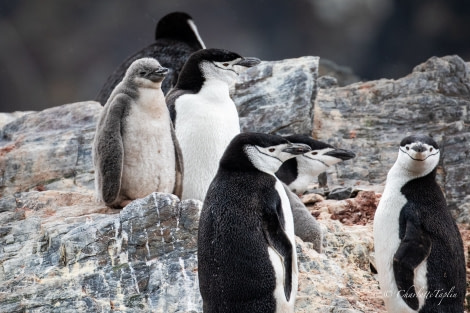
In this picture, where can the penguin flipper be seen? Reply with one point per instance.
(110, 148)
(305, 225)
(179, 169)
(414, 249)
(279, 241)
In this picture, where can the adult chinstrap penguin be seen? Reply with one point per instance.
(246, 243)
(204, 115)
(135, 151)
(418, 248)
(176, 37)
(299, 172)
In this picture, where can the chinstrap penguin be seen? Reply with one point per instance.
(135, 151)
(418, 247)
(176, 37)
(299, 172)
(246, 244)
(204, 115)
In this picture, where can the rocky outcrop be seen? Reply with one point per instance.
(277, 97)
(371, 118)
(60, 251)
(50, 149)
(63, 252)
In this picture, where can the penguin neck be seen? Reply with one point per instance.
(215, 90)
(310, 167)
(151, 98)
(398, 176)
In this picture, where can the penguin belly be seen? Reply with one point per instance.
(387, 241)
(203, 131)
(282, 305)
(149, 154)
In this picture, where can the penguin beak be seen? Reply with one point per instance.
(297, 148)
(341, 154)
(248, 62)
(158, 75)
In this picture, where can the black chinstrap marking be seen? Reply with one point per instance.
(421, 160)
(267, 154)
(320, 161)
(226, 69)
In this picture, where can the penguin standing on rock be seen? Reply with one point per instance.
(418, 247)
(204, 115)
(176, 37)
(246, 243)
(134, 150)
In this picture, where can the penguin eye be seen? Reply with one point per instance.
(272, 150)
(142, 73)
(314, 153)
(225, 64)
(430, 149)
(407, 148)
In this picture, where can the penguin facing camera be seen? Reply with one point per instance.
(246, 244)
(134, 150)
(204, 115)
(418, 248)
(176, 37)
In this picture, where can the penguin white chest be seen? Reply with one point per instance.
(282, 305)
(205, 124)
(149, 154)
(387, 241)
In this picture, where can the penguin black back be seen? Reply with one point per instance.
(427, 208)
(242, 222)
(176, 37)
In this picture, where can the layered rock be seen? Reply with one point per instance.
(50, 149)
(371, 118)
(277, 97)
(62, 252)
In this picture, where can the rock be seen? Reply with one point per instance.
(343, 75)
(50, 149)
(6, 118)
(340, 193)
(371, 118)
(277, 97)
(69, 254)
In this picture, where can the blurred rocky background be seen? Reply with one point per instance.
(56, 52)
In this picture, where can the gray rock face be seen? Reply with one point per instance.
(371, 118)
(277, 97)
(66, 253)
(61, 252)
(50, 149)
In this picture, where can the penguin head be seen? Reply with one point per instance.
(212, 64)
(146, 72)
(320, 157)
(259, 152)
(418, 154)
(179, 26)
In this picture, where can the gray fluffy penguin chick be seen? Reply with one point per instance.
(135, 151)
(305, 225)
